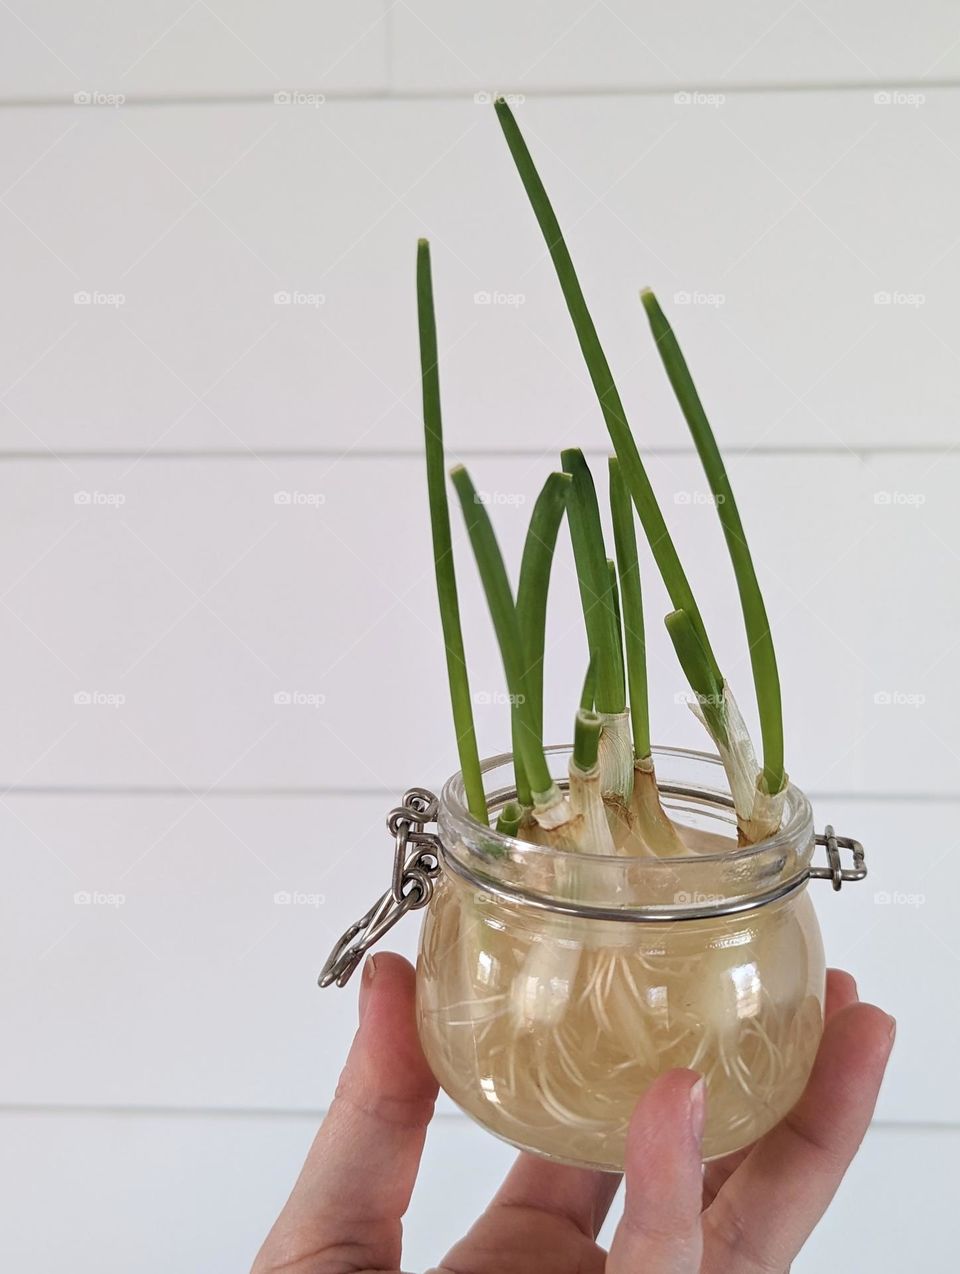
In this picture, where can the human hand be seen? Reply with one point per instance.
(747, 1214)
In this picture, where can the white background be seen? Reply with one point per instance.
(166, 1060)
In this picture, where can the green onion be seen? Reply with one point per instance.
(586, 534)
(696, 667)
(588, 694)
(443, 546)
(510, 818)
(534, 583)
(618, 617)
(586, 740)
(496, 586)
(634, 473)
(762, 655)
(625, 539)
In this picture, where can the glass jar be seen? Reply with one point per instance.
(553, 987)
(545, 1015)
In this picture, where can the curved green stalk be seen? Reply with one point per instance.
(762, 655)
(693, 661)
(631, 596)
(586, 740)
(586, 534)
(534, 583)
(503, 612)
(635, 475)
(442, 544)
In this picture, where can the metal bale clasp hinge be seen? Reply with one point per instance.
(835, 872)
(416, 866)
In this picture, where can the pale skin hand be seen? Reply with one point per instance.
(747, 1214)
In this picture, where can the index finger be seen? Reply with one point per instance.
(359, 1175)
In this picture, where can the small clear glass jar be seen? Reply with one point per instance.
(553, 988)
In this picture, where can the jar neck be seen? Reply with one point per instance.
(715, 878)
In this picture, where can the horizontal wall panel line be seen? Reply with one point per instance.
(267, 792)
(361, 96)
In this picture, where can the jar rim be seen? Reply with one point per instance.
(796, 826)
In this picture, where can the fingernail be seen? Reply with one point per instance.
(892, 1028)
(697, 1110)
(366, 979)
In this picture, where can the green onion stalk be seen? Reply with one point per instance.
(759, 801)
(764, 786)
(602, 625)
(442, 543)
(653, 832)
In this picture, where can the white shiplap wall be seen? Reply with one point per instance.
(175, 1047)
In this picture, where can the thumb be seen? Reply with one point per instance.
(660, 1228)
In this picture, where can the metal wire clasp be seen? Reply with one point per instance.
(836, 873)
(416, 865)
